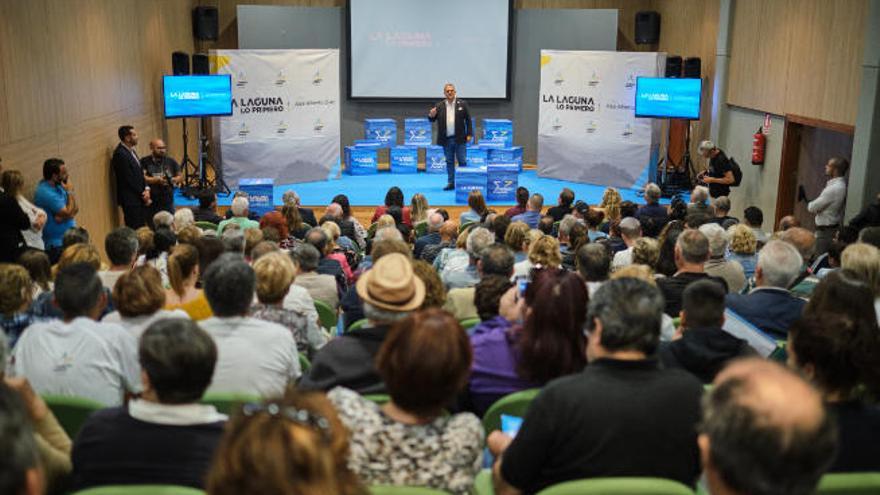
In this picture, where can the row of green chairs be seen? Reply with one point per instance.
(207, 225)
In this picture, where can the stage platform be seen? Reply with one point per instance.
(369, 190)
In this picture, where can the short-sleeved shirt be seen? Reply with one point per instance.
(445, 454)
(167, 167)
(53, 199)
(82, 358)
(244, 223)
(719, 165)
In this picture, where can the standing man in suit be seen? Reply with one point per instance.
(132, 191)
(454, 130)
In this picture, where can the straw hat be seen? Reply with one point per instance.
(391, 284)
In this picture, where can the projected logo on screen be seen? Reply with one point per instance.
(668, 98)
(197, 96)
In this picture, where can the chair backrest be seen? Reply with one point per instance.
(206, 225)
(140, 490)
(358, 324)
(464, 226)
(515, 404)
(421, 228)
(404, 490)
(371, 230)
(380, 399)
(619, 486)
(326, 314)
(304, 363)
(850, 484)
(71, 412)
(469, 323)
(226, 403)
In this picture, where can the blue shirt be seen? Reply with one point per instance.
(53, 199)
(530, 218)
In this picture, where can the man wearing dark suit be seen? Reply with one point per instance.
(132, 191)
(454, 130)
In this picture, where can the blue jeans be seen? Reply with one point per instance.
(453, 150)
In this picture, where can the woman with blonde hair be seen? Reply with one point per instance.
(295, 445)
(418, 209)
(743, 248)
(15, 298)
(863, 260)
(12, 183)
(295, 224)
(646, 251)
(183, 218)
(183, 276)
(331, 229)
(610, 206)
(543, 252)
(139, 299)
(517, 238)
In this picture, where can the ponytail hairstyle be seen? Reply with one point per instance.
(181, 263)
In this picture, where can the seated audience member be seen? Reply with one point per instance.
(431, 238)
(498, 225)
(20, 465)
(418, 208)
(275, 220)
(595, 217)
(721, 209)
(645, 274)
(189, 235)
(254, 356)
(563, 233)
(838, 354)
(435, 293)
(694, 220)
(805, 242)
(517, 239)
(165, 436)
(691, 254)
(164, 241)
(548, 344)
(700, 202)
(652, 216)
(328, 265)
(496, 259)
(15, 299)
(717, 265)
(844, 293)
(563, 205)
(863, 261)
(77, 355)
(239, 211)
(455, 255)
(743, 248)
(139, 300)
(424, 363)
(45, 306)
(868, 217)
(360, 233)
(646, 252)
(347, 229)
(543, 252)
(184, 270)
(291, 198)
(37, 265)
(667, 240)
(207, 210)
(610, 207)
(296, 226)
(146, 238)
(487, 299)
(163, 220)
(321, 287)
(121, 246)
(533, 212)
(702, 347)
(593, 264)
(522, 199)
(628, 209)
(870, 235)
(630, 232)
(275, 273)
(612, 410)
(394, 197)
(291, 445)
(754, 218)
(477, 208)
(75, 235)
(614, 240)
(183, 218)
(478, 240)
(390, 242)
(339, 252)
(251, 215)
(577, 237)
(770, 306)
(788, 222)
(546, 225)
(389, 291)
(764, 431)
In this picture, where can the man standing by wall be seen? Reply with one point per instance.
(132, 191)
(454, 130)
(828, 207)
(162, 174)
(55, 195)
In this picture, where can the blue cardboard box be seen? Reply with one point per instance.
(512, 154)
(417, 132)
(367, 143)
(360, 160)
(498, 130)
(502, 181)
(405, 159)
(260, 194)
(435, 159)
(467, 179)
(382, 130)
(476, 156)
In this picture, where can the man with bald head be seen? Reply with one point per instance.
(435, 221)
(162, 174)
(764, 431)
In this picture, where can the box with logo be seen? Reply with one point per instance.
(360, 160)
(498, 130)
(382, 130)
(260, 193)
(467, 179)
(405, 159)
(417, 132)
(476, 156)
(367, 143)
(512, 154)
(502, 181)
(435, 159)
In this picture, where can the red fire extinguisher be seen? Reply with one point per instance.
(759, 142)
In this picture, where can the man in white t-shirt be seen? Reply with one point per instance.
(253, 356)
(121, 245)
(77, 355)
(630, 232)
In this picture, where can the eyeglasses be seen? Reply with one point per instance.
(302, 417)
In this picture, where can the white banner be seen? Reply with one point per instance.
(587, 130)
(285, 122)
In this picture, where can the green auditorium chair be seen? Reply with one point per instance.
(71, 412)
(850, 484)
(327, 315)
(515, 404)
(618, 486)
(469, 323)
(404, 490)
(227, 403)
(483, 483)
(464, 226)
(304, 363)
(421, 228)
(357, 325)
(140, 490)
(207, 225)
(380, 399)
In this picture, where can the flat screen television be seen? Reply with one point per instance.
(660, 97)
(197, 96)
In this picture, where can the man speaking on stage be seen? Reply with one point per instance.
(454, 130)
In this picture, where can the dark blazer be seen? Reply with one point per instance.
(347, 361)
(772, 310)
(463, 124)
(12, 221)
(130, 181)
(308, 216)
(424, 241)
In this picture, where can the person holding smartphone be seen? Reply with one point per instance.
(454, 130)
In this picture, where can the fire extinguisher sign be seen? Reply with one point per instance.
(766, 123)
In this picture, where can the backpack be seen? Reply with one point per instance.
(737, 172)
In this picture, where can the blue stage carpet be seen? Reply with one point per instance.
(369, 190)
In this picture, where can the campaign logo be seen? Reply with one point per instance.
(282, 127)
(241, 81)
(259, 104)
(281, 79)
(243, 131)
(319, 126)
(316, 78)
(417, 134)
(382, 135)
(594, 80)
(630, 81)
(559, 80)
(64, 364)
(627, 131)
(497, 135)
(571, 102)
(437, 162)
(557, 124)
(592, 127)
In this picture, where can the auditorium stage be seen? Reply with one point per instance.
(369, 190)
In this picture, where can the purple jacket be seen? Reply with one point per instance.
(493, 374)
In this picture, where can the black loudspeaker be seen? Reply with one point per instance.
(673, 66)
(692, 67)
(206, 23)
(201, 67)
(647, 27)
(180, 63)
